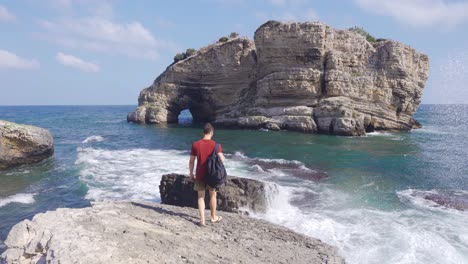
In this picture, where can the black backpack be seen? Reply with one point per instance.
(216, 175)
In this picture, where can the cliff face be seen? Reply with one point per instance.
(305, 77)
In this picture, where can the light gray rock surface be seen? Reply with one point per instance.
(127, 232)
(305, 77)
(23, 144)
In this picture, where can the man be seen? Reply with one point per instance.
(201, 150)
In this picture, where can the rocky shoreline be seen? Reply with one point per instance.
(142, 232)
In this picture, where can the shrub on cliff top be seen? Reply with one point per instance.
(184, 55)
(234, 35)
(223, 39)
(362, 32)
(190, 52)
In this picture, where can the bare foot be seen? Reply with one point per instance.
(217, 220)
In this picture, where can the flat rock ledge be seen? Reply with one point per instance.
(142, 232)
(23, 144)
(238, 195)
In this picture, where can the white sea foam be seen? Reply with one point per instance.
(391, 136)
(378, 133)
(362, 235)
(366, 235)
(25, 198)
(93, 139)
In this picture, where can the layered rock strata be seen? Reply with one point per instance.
(304, 77)
(23, 144)
(155, 233)
(236, 195)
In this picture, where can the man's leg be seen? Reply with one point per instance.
(214, 218)
(201, 206)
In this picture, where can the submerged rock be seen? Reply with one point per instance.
(448, 199)
(238, 193)
(155, 233)
(305, 77)
(23, 144)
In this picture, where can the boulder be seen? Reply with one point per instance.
(238, 195)
(141, 232)
(23, 144)
(306, 77)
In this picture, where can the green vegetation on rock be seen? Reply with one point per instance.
(223, 39)
(234, 35)
(184, 55)
(363, 32)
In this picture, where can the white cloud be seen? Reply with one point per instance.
(6, 15)
(104, 35)
(10, 60)
(75, 62)
(421, 13)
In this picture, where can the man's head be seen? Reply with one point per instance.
(208, 129)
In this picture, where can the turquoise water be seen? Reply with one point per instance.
(369, 205)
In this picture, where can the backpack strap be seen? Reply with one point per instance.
(216, 148)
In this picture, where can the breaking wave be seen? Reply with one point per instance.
(93, 139)
(24, 198)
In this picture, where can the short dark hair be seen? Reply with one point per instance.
(207, 128)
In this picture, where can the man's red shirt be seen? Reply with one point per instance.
(202, 149)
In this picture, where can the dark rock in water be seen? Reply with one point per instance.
(459, 202)
(177, 189)
(23, 144)
(306, 77)
(450, 199)
(293, 168)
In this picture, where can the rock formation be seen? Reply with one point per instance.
(155, 233)
(23, 144)
(176, 189)
(305, 77)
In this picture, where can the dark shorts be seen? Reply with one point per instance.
(201, 186)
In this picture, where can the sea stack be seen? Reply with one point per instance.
(23, 144)
(306, 77)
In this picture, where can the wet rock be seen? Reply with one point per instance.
(23, 144)
(238, 193)
(455, 200)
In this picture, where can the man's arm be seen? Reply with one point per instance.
(221, 155)
(191, 165)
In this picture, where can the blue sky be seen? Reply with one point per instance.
(61, 52)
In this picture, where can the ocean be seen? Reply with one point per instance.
(371, 205)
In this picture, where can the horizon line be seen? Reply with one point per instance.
(137, 104)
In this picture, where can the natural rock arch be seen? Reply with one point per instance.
(305, 77)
